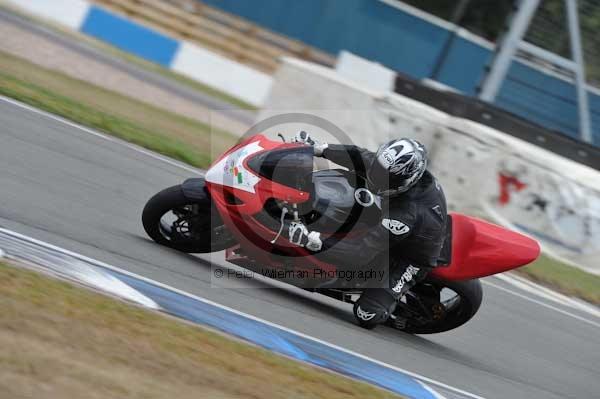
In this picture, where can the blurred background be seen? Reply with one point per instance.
(502, 92)
(452, 42)
(505, 94)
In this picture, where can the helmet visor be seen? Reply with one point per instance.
(382, 183)
(378, 178)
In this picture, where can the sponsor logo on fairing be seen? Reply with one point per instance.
(231, 172)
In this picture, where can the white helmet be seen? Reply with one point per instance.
(398, 166)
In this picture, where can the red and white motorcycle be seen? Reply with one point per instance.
(241, 203)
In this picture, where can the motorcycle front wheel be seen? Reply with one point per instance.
(184, 224)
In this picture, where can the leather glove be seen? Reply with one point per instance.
(304, 138)
(300, 236)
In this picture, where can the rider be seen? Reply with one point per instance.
(412, 224)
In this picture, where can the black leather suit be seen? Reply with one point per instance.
(408, 238)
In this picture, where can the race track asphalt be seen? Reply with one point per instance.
(83, 192)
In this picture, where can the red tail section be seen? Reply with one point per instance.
(481, 249)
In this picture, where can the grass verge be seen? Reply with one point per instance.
(124, 117)
(59, 340)
(564, 278)
(150, 66)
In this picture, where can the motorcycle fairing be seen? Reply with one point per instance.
(479, 248)
(237, 207)
(231, 170)
(237, 188)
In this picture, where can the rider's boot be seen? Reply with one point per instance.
(375, 305)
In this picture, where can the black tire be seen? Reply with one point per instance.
(471, 296)
(213, 236)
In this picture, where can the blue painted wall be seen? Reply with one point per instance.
(409, 44)
(464, 65)
(540, 97)
(367, 27)
(547, 100)
(129, 36)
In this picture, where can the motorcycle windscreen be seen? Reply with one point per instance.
(481, 249)
(291, 167)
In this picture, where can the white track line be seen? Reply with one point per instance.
(101, 135)
(197, 171)
(548, 306)
(84, 258)
(190, 169)
(546, 293)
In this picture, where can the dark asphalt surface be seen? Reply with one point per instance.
(154, 78)
(85, 193)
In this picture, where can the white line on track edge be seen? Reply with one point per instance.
(101, 135)
(538, 302)
(548, 294)
(198, 171)
(84, 258)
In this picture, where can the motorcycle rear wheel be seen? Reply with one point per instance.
(197, 228)
(457, 310)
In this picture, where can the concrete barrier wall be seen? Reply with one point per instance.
(221, 73)
(483, 171)
(70, 13)
(368, 73)
(185, 58)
